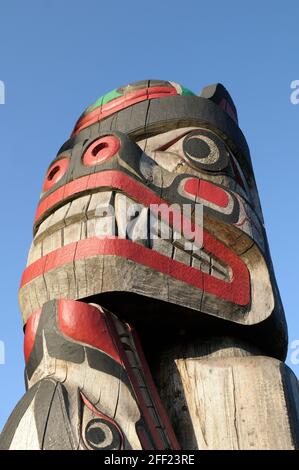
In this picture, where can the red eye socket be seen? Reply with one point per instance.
(100, 150)
(55, 173)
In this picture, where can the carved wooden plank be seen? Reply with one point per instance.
(226, 398)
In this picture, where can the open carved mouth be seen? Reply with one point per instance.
(76, 230)
(101, 215)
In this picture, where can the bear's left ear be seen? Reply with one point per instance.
(220, 96)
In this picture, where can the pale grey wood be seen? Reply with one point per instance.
(182, 256)
(52, 242)
(35, 252)
(137, 228)
(61, 282)
(52, 223)
(221, 396)
(100, 199)
(73, 232)
(162, 246)
(78, 209)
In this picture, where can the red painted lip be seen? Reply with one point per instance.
(121, 103)
(236, 291)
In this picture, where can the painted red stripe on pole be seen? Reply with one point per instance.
(121, 103)
(237, 290)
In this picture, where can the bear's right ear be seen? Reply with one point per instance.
(219, 95)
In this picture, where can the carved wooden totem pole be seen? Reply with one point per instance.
(147, 327)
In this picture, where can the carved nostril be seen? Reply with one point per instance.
(101, 150)
(56, 171)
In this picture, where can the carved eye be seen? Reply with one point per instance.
(56, 171)
(101, 150)
(101, 434)
(204, 150)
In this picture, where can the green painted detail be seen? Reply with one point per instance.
(186, 91)
(103, 100)
(106, 98)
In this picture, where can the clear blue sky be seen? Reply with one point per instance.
(56, 57)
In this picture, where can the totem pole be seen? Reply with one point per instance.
(146, 326)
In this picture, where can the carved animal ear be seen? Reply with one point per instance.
(219, 94)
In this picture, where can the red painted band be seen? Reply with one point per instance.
(121, 103)
(86, 324)
(236, 291)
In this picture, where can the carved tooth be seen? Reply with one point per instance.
(35, 252)
(196, 263)
(101, 226)
(53, 223)
(202, 256)
(132, 219)
(202, 261)
(182, 256)
(120, 207)
(137, 229)
(99, 200)
(74, 232)
(91, 228)
(43, 228)
(160, 236)
(105, 226)
(182, 242)
(160, 229)
(123, 207)
(51, 242)
(218, 270)
(59, 216)
(77, 210)
(100, 214)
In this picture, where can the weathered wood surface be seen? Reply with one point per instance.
(222, 394)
